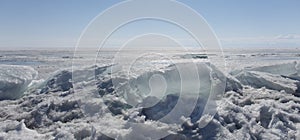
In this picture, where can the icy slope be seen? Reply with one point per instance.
(14, 80)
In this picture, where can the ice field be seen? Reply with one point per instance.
(170, 94)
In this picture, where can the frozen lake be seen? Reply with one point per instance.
(150, 94)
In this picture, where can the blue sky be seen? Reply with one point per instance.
(237, 23)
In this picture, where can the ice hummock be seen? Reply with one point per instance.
(255, 106)
(14, 80)
(281, 77)
(286, 69)
(261, 79)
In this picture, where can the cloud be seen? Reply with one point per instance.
(288, 36)
(289, 40)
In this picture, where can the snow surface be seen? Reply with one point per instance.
(260, 100)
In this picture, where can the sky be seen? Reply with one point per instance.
(237, 23)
